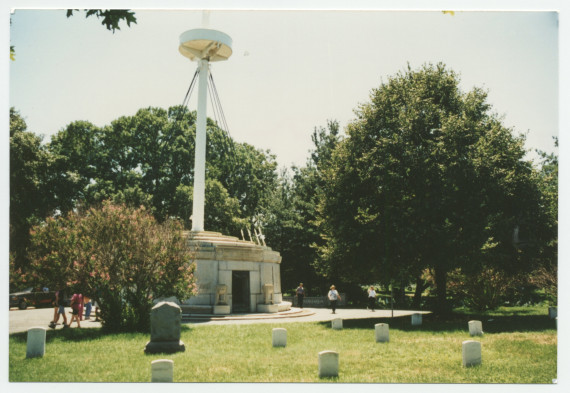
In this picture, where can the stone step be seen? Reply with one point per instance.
(252, 316)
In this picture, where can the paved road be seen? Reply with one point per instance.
(22, 320)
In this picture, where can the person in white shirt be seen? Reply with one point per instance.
(371, 298)
(334, 297)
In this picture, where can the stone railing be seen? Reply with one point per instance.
(314, 301)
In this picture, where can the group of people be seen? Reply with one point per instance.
(78, 303)
(334, 297)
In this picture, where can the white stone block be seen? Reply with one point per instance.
(471, 353)
(382, 332)
(416, 319)
(276, 278)
(475, 328)
(337, 324)
(36, 343)
(279, 337)
(222, 309)
(328, 364)
(268, 308)
(162, 370)
(266, 272)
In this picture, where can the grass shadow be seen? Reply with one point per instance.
(457, 322)
(71, 334)
(81, 334)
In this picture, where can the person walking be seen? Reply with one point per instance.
(58, 309)
(76, 306)
(334, 297)
(371, 298)
(300, 295)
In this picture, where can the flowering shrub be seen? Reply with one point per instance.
(486, 289)
(119, 256)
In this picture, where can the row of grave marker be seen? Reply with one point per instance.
(162, 369)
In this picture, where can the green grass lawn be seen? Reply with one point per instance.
(518, 347)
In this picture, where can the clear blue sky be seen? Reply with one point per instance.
(290, 70)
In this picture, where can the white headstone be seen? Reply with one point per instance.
(475, 328)
(328, 364)
(162, 370)
(279, 337)
(337, 324)
(416, 319)
(382, 332)
(552, 312)
(36, 344)
(471, 353)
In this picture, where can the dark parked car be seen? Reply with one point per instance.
(32, 297)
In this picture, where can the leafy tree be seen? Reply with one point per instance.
(427, 178)
(545, 276)
(291, 213)
(111, 18)
(147, 159)
(31, 198)
(75, 152)
(120, 256)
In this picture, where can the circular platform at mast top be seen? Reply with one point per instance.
(212, 45)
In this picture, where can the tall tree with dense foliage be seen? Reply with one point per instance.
(147, 159)
(31, 183)
(428, 177)
(545, 276)
(119, 256)
(290, 215)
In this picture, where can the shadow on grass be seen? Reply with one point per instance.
(457, 322)
(82, 334)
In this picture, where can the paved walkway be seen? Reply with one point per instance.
(298, 315)
(22, 320)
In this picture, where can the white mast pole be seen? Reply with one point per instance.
(200, 149)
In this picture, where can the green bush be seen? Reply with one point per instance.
(119, 256)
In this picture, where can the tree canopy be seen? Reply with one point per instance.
(427, 177)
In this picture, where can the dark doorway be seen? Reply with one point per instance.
(240, 291)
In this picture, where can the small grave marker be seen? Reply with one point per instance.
(162, 370)
(279, 337)
(471, 353)
(337, 324)
(36, 344)
(328, 364)
(382, 332)
(475, 328)
(416, 319)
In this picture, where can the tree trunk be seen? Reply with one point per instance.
(441, 283)
(420, 286)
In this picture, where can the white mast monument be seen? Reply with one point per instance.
(233, 276)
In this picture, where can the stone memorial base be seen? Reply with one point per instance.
(244, 273)
(164, 347)
(268, 308)
(221, 309)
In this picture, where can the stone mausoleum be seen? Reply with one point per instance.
(234, 276)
